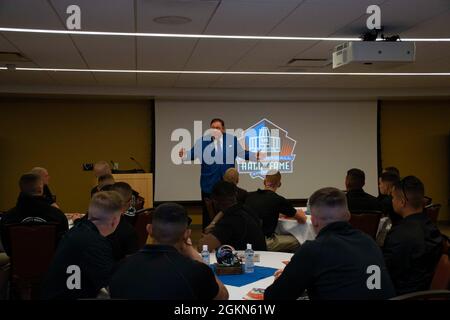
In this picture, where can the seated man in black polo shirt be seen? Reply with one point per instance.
(48, 195)
(84, 262)
(238, 226)
(268, 205)
(341, 263)
(101, 168)
(124, 238)
(386, 183)
(170, 268)
(358, 200)
(103, 181)
(232, 176)
(32, 207)
(413, 247)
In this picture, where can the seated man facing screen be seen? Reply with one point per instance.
(412, 247)
(237, 227)
(232, 176)
(358, 200)
(268, 205)
(101, 168)
(170, 268)
(336, 265)
(386, 184)
(48, 195)
(124, 239)
(32, 207)
(86, 247)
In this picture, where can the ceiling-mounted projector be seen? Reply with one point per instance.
(373, 52)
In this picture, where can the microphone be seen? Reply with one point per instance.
(138, 164)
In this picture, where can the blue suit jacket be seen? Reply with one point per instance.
(213, 166)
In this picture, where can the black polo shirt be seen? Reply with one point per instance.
(32, 209)
(48, 195)
(238, 227)
(241, 195)
(268, 205)
(360, 201)
(388, 209)
(333, 267)
(124, 240)
(85, 247)
(411, 250)
(160, 272)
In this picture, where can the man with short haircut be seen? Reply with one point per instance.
(103, 181)
(338, 264)
(48, 195)
(170, 268)
(393, 170)
(101, 168)
(268, 205)
(238, 226)
(84, 261)
(33, 208)
(232, 176)
(386, 183)
(358, 200)
(124, 239)
(413, 247)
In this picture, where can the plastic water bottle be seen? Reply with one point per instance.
(249, 265)
(205, 254)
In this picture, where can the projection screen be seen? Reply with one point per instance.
(319, 141)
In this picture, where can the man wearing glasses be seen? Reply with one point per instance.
(412, 248)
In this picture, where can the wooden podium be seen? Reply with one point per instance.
(141, 182)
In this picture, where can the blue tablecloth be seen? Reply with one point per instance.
(243, 279)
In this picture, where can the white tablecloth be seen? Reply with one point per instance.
(266, 259)
(301, 232)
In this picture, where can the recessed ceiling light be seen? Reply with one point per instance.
(173, 20)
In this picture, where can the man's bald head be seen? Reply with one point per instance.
(232, 176)
(42, 172)
(328, 205)
(102, 168)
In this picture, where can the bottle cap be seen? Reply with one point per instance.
(205, 247)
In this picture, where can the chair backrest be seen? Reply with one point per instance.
(32, 249)
(366, 222)
(140, 225)
(433, 212)
(441, 278)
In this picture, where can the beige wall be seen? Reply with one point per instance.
(415, 137)
(61, 134)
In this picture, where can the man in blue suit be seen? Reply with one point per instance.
(217, 153)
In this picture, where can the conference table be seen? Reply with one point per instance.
(266, 260)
